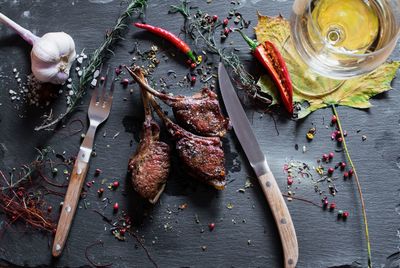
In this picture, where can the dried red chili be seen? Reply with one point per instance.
(272, 60)
(180, 44)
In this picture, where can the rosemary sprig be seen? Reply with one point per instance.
(96, 60)
(364, 212)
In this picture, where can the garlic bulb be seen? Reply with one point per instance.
(52, 54)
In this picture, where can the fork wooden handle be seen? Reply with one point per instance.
(282, 218)
(69, 207)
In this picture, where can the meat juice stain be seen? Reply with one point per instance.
(232, 163)
(133, 124)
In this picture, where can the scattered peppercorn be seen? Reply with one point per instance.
(225, 22)
(334, 119)
(97, 172)
(49, 209)
(122, 231)
(226, 31)
(116, 207)
(115, 184)
(310, 136)
(330, 171)
(215, 18)
(351, 172)
(325, 202)
(211, 226)
(342, 165)
(332, 206)
(331, 155)
(100, 191)
(125, 82)
(193, 80)
(289, 180)
(340, 140)
(118, 71)
(324, 157)
(346, 175)
(193, 65)
(346, 214)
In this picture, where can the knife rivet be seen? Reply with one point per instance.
(268, 183)
(58, 247)
(68, 209)
(283, 221)
(290, 261)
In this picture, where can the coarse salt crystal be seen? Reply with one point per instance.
(69, 86)
(79, 73)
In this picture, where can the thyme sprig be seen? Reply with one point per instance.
(364, 212)
(97, 58)
(199, 28)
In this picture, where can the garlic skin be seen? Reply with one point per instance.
(52, 56)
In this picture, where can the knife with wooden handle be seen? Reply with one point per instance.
(256, 157)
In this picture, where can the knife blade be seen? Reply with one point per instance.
(258, 161)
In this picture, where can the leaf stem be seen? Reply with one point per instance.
(364, 212)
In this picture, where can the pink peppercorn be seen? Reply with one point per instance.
(332, 206)
(225, 22)
(345, 214)
(342, 165)
(116, 207)
(330, 170)
(289, 181)
(115, 184)
(334, 119)
(211, 226)
(331, 155)
(125, 82)
(351, 172)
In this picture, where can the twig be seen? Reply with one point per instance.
(364, 212)
(96, 60)
(92, 262)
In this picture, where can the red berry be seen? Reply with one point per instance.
(215, 18)
(334, 119)
(332, 206)
(330, 170)
(211, 226)
(342, 165)
(193, 65)
(331, 155)
(100, 191)
(193, 79)
(116, 207)
(225, 22)
(289, 181)
(346, 175)
(345, 214)
(351, 172)
(226, 31)
(115, 184)
(125, 82)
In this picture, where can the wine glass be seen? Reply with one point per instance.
(341, 39)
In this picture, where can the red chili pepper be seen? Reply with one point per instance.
(272, 60)
(180, 44)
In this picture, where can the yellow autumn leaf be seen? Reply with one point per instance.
(317, 91)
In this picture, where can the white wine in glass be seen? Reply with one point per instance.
(341, 39)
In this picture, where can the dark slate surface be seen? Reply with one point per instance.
(324, 241)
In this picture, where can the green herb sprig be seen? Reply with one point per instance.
(136, 6)
(203, 33)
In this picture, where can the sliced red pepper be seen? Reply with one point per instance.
(179, 43)
(272, 60)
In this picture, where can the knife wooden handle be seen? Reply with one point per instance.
(69, 207)
(282, 218)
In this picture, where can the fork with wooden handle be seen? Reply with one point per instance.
(99, 109)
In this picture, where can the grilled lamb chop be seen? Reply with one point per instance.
(149, 166)
(202, 157)
(199, 113)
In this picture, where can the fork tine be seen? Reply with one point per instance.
(101, 99)
(96, 89)
(110, 94)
